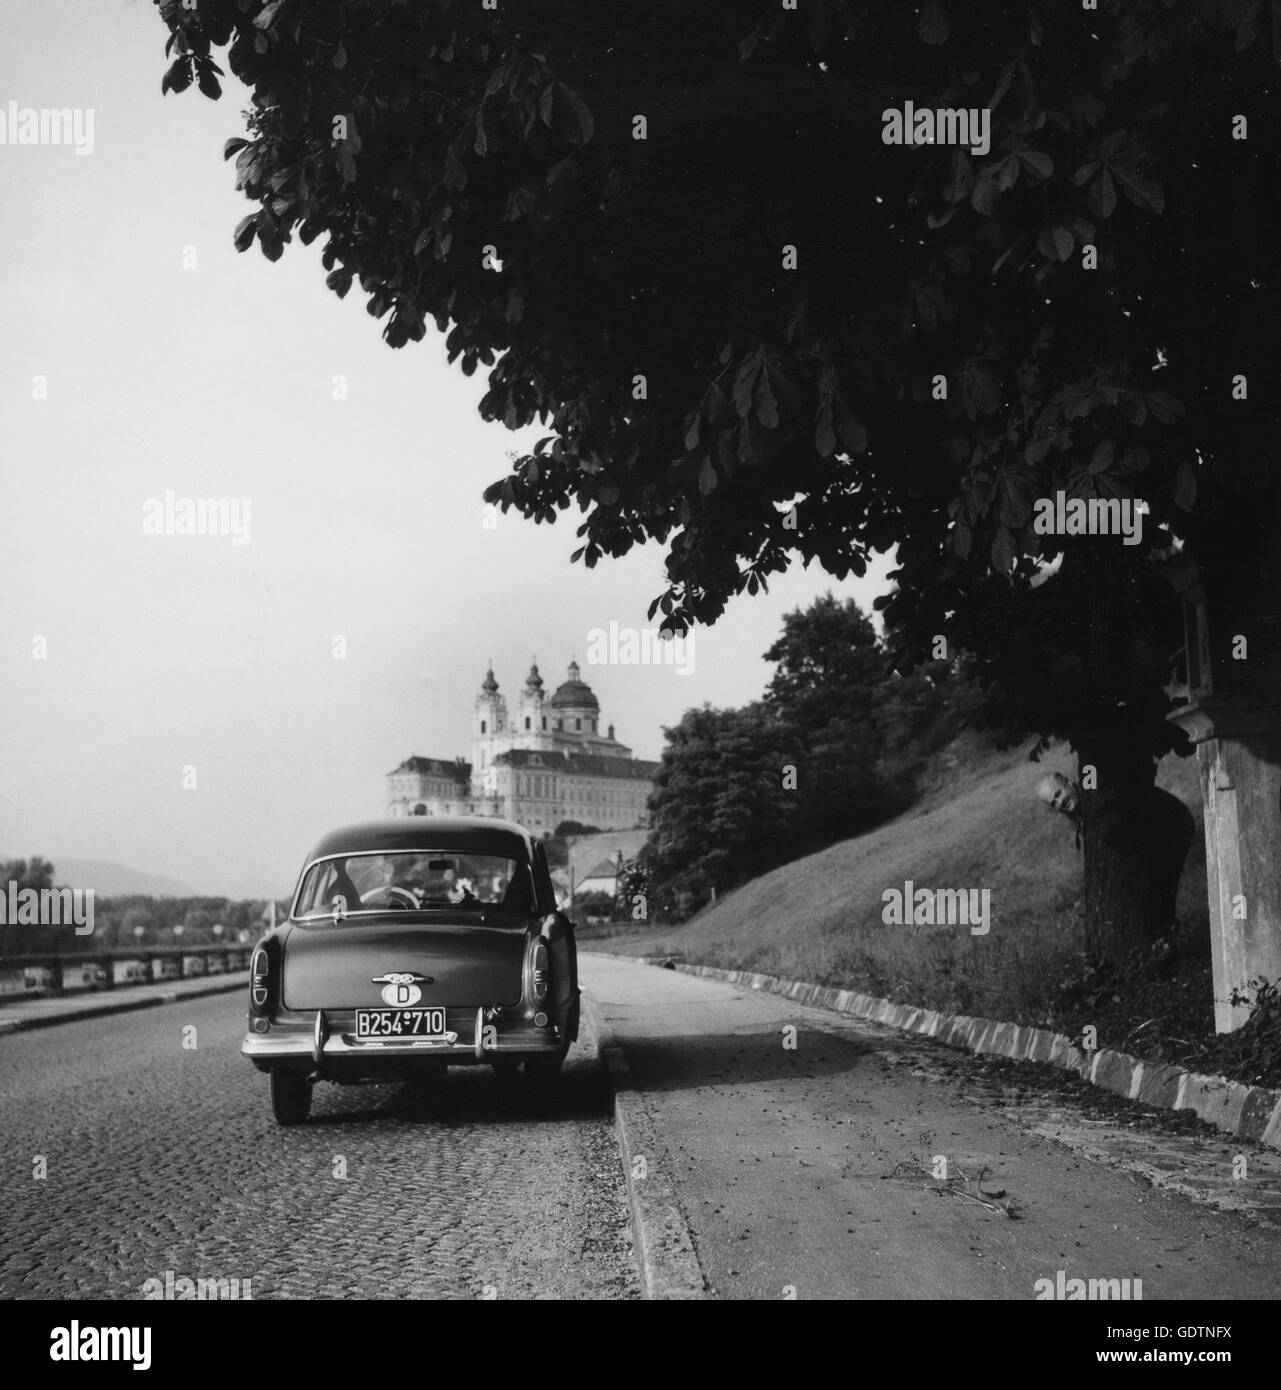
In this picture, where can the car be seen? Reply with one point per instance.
(412, 946)
(93, 976)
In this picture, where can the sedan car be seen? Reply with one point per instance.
(412, 946)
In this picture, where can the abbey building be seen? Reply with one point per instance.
(547, 763)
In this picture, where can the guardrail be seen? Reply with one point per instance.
(53, 972)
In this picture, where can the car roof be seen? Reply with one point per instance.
(469, 834)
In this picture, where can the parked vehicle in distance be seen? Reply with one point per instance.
(90, 976)
(412, 946)
(134, 973)
(193, 965)
(167, 968)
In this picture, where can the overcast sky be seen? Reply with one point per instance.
(169, 651)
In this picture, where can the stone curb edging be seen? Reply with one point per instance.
(1252, 1113)
(665, 1256)
(104, 1010)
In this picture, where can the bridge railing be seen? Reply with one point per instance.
(55, 972)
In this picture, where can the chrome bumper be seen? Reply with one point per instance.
(320, 1045)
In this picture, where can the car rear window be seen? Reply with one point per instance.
(402, 881)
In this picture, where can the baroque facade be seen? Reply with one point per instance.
(547, 763)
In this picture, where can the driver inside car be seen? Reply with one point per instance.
(457, 890)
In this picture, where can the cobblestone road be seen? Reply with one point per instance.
(163, 1158)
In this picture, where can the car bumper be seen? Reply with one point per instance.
(327, 1041)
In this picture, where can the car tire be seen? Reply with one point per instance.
(290, 1096)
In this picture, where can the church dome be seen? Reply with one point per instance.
(574, 693)
(534, 681)
(489, 685)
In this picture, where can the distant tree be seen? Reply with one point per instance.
(595, 904)
(720, 813)
(27, 873)
(573, 827)
(18, 938)
(828, 674)
(138, 915)
(865, 730)
(558, 841)
(828, 664)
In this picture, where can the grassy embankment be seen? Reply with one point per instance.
(979, 825)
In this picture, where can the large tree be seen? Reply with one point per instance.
(757, 332)
(724, 809)
(863, 734)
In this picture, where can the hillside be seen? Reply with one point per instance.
(110, 879)
(979, 826)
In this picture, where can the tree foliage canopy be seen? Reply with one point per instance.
(481, 169)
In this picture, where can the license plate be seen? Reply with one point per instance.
(400, 1023)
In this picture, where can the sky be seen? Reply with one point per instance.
(173, 702)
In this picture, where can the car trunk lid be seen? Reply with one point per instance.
(468, 959)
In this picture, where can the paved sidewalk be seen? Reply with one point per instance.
(803, 1147)
(70, 1008)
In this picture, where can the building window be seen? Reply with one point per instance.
(482, 726)
(544, 721)
(578, 723)
(528, 721)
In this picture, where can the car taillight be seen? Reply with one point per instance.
(537, 971)
(541, 974)
(259, 981)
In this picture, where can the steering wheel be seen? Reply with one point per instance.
(395, 897)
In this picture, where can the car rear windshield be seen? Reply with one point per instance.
(405, 882)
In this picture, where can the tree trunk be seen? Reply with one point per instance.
(1136, 840)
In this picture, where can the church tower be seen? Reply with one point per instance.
(488, 723)
(533, 727)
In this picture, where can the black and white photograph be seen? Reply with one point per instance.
(641, 652)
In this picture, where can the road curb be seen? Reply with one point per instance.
(1251, 1113)
(665, 1254)
(104, 1010)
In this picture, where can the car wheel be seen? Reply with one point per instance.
(290, 1096)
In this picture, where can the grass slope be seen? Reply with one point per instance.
(979, 826)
